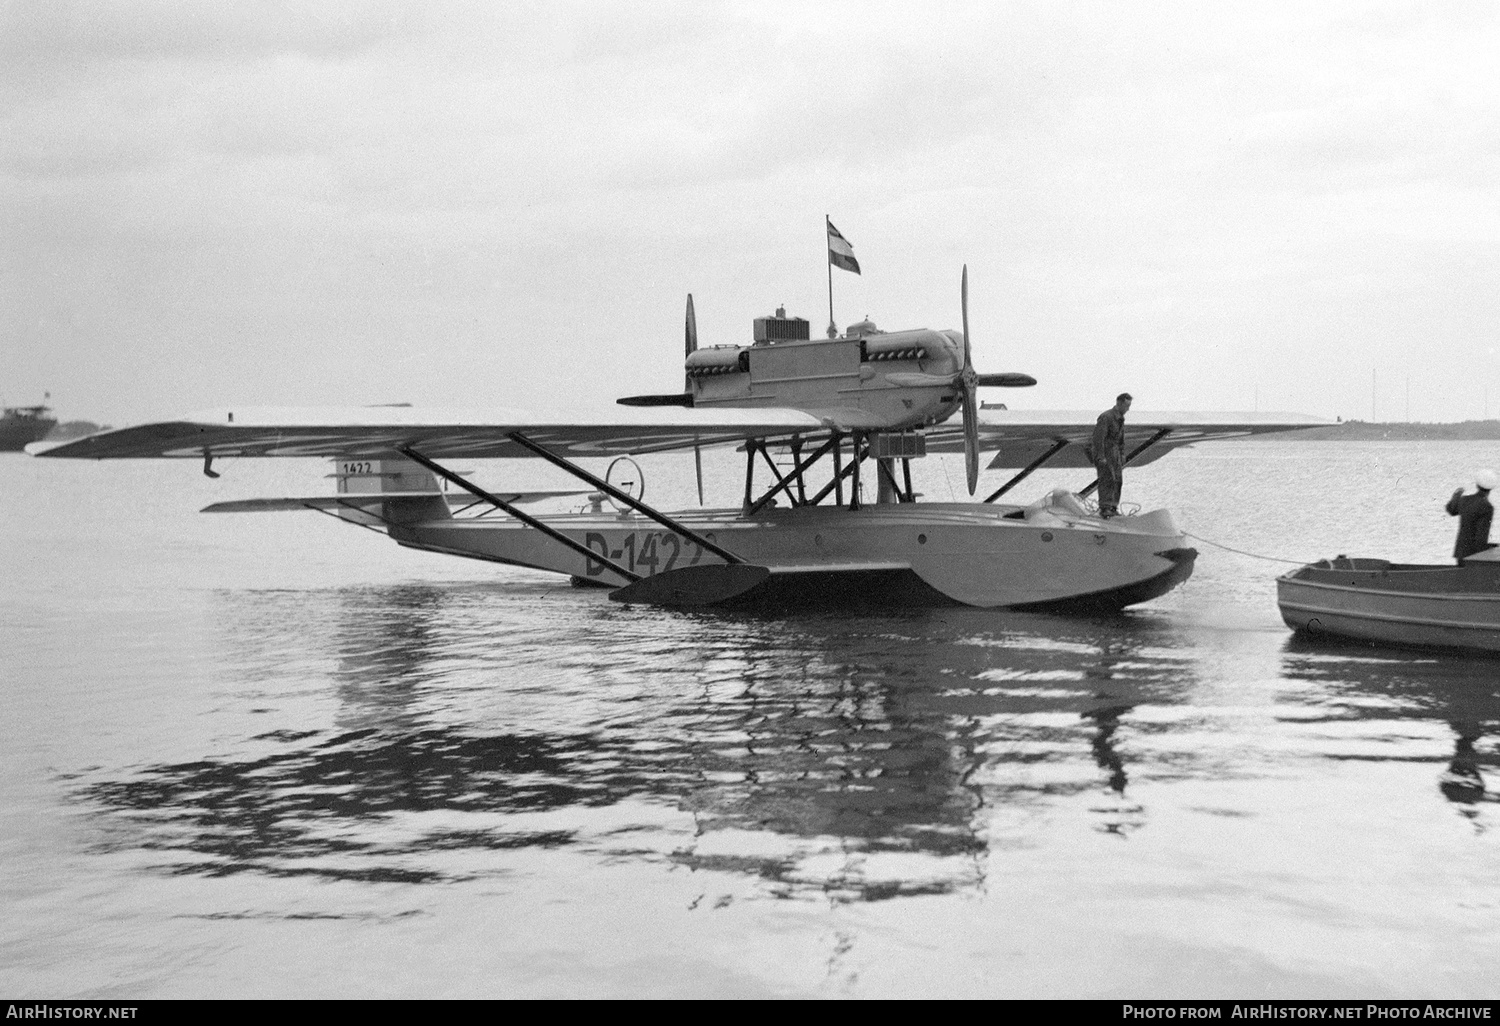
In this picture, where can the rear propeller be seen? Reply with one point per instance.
(690, 343)
(690, 340)
(685, 397)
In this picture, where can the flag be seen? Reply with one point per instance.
(840, 253)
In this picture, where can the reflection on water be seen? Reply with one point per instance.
(851, 757)
(1386, 686)
(1104, 752)
(881, 739)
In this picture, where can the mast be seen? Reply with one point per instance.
(833, 330)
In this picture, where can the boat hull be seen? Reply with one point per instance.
(18, 430)
(1403, 605)
(896, 554)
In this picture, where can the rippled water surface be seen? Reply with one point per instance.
(280, 756)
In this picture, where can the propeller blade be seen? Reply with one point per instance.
(967, 382)
(964, 296)
(690, 342)
(971, 440)
(684, 400)
(1008, 380)
(690, 338)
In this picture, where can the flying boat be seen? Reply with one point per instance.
(820, 423)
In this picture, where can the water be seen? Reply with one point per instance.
(279, 756)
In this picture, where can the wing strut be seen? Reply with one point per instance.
(525, 518)
(795, 476)
(796, 447)
(1148, 443)
(633, 503)
(854, 478)
(888, 476)
(841, 472)
(1059, 446)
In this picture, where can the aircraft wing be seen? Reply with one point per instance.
(375, 432)
(1016, 437)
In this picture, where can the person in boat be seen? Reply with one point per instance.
(1107, 450)
(1474, 514)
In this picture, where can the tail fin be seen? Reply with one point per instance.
(356, 476)
(407, 492)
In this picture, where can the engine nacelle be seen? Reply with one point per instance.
(847, 381)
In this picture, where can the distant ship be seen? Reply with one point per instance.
(22, 425)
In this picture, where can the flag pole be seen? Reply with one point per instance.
(833, 330)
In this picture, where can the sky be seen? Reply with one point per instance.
(1217, 207)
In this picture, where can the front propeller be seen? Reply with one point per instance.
(968, 383)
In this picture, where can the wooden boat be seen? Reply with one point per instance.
(1402, 604)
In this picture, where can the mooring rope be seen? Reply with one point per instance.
(1242, 552)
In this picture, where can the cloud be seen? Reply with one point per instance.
(52, 37)
(351, 184)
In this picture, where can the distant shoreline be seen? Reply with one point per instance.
(1400, 431)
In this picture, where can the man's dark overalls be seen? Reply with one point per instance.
(1109, 457)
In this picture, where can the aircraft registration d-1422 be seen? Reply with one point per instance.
(837, 411)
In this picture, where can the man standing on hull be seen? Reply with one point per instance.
(1108, 453)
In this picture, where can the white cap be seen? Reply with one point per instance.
(1487, 479)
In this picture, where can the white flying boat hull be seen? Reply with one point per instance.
(898, 554)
